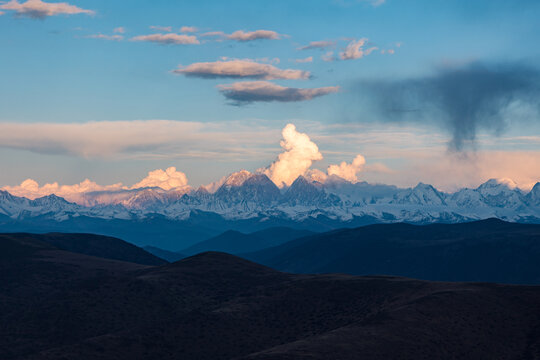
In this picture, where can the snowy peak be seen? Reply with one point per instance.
(306, 193)
(496, 186)
(237, 178)
(421, 194)
(244, 195)
(533, 197)
(501, 193)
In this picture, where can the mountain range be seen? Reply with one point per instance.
(250, 202)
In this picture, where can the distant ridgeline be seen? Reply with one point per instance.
(256, 203)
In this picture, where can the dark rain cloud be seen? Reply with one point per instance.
(463, 100)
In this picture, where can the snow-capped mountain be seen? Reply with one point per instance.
(244, 195)
(421, 194)
(533, 197)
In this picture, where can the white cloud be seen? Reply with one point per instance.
(252, 91)
(169, 179)
(355, 50)
(300, 152)
(119, 30)
(304, 60)
(240, 69)
(318, 45)
(161, 28)
(170, 38)
(244, 36)
(140, 139)
(241, 35)
(38, 9)
(329, 56)
(106, 37)
(347, 171)
(166, 179)
(188, 29)
(30, 189)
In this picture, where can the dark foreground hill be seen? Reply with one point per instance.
(490, 250)
(56, 304)
(170, 256)
(89, 244)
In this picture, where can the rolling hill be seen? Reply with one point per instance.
(57, 304)
(488, 250)
(235, 242)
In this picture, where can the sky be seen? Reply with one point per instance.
(441, 92)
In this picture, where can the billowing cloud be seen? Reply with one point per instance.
(347, 171)
(169, 179)
(300, 152)
(318, 45)
(38, 9)
(462, 99)
(240, 69)
(119, 30)
(355, 50)
(304, 60)
(188, 29)
(170, 38)
(252, 91)
(31, 189)
(106, 37)
(161, 28)
(166, 179)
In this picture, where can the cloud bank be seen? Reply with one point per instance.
(240, 69)
(38, 9)
(167, 139)
(263, 91)
(169, 179)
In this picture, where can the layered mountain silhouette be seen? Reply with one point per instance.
(235, 242)
(488, 250)
(58, 304)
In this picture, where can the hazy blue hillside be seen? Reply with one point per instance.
(235, 242)
(489, 250)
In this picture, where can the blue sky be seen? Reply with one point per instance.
(54, 71)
